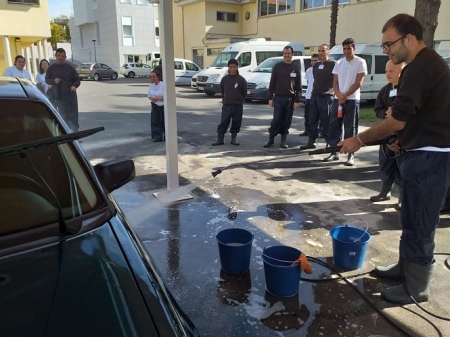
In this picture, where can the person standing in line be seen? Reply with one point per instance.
(284, 96)
(18, 69)
(389, 164)
(234, 88)
(349, 74)
(40, 80)
(321, 98)
(64, 81)
(420, 117)
(156, 96)
(309, 76)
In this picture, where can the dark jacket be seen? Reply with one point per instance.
(233, 88)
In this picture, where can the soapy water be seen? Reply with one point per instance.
(162, 200)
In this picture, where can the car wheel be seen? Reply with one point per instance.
(248, 99)
(126, 76)
(210, 94)
(114, 76)
(131, 74)
(96, 77)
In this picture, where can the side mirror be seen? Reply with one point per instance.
(115, 173)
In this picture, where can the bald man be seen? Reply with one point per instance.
(389, 166)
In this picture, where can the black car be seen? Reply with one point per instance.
(70, 264)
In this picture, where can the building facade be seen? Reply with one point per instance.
(204, 27)
(24, 29)
(114, 31)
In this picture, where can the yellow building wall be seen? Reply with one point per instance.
(25, 23)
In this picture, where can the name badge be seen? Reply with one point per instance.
(293, 75)
(235, 85)
(393, 92)
(321, 67)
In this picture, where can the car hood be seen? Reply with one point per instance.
(256, 77)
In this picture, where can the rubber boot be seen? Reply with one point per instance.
(283, 142)
(350, 159)
(416, 283)
(310, 145)
(391, 272)
(219, 139)
(270, 141)
(385, 193)
(332, 157)
(233, 139)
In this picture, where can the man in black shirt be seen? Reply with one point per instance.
(65, 81)
(420, 116)
(234, 89)
(284, 96)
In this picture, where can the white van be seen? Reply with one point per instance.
(184, 70)
(249, 54)
(376, 63)
(258, 80)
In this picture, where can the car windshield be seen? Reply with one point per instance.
(38, 183)
(84, 66)
(267, 65)
(223, 58)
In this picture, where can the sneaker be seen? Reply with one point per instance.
(332, 157)
(350, 160)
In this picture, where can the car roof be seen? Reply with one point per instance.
(15, 87)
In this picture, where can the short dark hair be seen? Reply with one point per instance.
(315, 55)
(233, 61)
(405, 24)
(289, 47)
(158, 74)
(60, 50)
(348, 41)
(17, 58)
(41, 70)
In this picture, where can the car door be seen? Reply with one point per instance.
(106, 71)
(146, 70)
(191, 70)
(180, 72)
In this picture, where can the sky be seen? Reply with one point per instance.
(60, 7)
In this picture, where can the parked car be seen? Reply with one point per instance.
(135, 69)
(184, 70)
(96, 71)
(258, 80)
(70, 264)
(73, 63)
(194, 82)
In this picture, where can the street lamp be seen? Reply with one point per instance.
(95, 51)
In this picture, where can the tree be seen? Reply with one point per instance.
(427, 12)
(333, 27)
(59, 28)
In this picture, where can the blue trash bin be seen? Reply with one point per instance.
(235, 249)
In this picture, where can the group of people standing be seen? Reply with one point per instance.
(59, 82)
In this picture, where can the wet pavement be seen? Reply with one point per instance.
(281, 197)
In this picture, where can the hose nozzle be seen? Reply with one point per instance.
(214, 173)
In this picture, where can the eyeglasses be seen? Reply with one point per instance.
(387, 45)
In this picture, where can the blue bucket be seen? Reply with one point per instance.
(349, 246)
(282, 278)
(235, 250)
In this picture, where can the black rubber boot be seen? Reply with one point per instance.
(270, 141)
(310, 145)
(416, 283)
(283, 142)
(385, 193)
(219, 139)
(233, 139)
(391, 272)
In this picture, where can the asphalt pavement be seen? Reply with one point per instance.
(283, 197)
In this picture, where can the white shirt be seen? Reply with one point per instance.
(40, 78)
(155, 90)
(14, 72)
(347, 72)
(310, 79)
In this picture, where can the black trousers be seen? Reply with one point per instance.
(231, 113)
(319, 114)
(68, 109)
(389, 165)
(157, 121)
(283, 109)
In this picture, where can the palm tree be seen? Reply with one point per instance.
(427, 12)
(333, 27)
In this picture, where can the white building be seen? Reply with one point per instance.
(114, 31)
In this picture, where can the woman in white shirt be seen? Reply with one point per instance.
(40, 80)
(156, 96)
(17, 70)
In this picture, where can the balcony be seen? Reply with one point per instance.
(233, 2)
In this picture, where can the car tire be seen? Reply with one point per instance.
(131, 74)
(248, 99)
(114, 76)
(96, 77)
(126, 76)
(211, 94)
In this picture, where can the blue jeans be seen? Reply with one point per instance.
(425, 179)
(319, 112)
(283, 109)
(349, 121)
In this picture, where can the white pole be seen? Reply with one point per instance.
(7, 49)
(170, 106)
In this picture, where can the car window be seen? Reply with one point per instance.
(104, 66)
(264, 55)
(368, 59)
(191, 66)
(307, 63)
(267, 65)
(178, 65)
(380, 64)
(145, 66)
(245, 59)
(45, 179)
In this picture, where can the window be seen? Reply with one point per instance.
(125, 1)
(127, 30)
(81, 37)
(213, 51)
(380, 64)
(191, 66)
(308, 4)
(94, 4)
(245, 59)
(368, 59)
(225, 16)
(26, 2)
(178, 65)
(97, 31)
(142, 2)
(269, 7)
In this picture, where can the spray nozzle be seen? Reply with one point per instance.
(214, 173)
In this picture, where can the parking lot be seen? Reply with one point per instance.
(282, 196)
